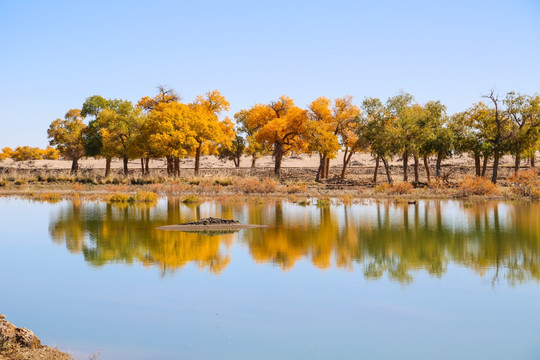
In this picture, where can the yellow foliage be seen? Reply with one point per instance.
(526, 183)
(23, 153)
(477, 185)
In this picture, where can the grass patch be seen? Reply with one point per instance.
(139, 197)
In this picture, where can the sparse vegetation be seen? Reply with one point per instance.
(478, 185)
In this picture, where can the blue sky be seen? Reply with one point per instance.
(54, 54)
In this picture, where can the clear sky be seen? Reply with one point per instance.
(54, 54)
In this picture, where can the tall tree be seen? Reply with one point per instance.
(321, 134)
(67, 136)
(398, 107)
(209, 130)
(169, 133)
(254, 148)
(498, 131)
(281, 126)
(470, 129)
(380, 132)
(120, 129)
(524, 111)
(234, 151)
(164, 95)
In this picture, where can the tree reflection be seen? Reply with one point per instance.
(495, 239)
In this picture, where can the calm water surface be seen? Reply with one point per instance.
(375, 280)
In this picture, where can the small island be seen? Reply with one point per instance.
(210, 223)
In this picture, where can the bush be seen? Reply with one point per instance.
(223, 181)
(139, 196)
(400, 188)
(296, 188)
(256, 186)
(477, 185)
(191, 199)
(324, 202)
(526, 183)
(50, 197)
(144, 196)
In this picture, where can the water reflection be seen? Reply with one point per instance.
(497, 240)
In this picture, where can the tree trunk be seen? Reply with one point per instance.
(278, 154)
(484, 165)
(438, 166)
(426, 166)
(320, 170)
(517, 164)
(176, 167)
(346, 160)
(75, 166)
(495, 167)
(253, 160)
(326, 168)
(125, 165)
(376, 169)
(477, 166)
(142, 166)
(236, 161)
(147, 166)
(532, 161)
(405, 166)
(197, 159)
(387, 168)
(416, 175)
(170, 169)
(108, 166)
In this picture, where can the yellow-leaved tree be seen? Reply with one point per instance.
(208, 129)
(321, 134)
(254, 148)
(334, 125)
(67, 136)
(169, 133)
(120, 131)
(281, 126)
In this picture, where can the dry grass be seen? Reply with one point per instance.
(140, 196)
(400, 188)
(526, 183)
(255, 185)
(477, 185)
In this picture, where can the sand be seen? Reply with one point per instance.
(212, 162)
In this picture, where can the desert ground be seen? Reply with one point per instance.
(296, 167)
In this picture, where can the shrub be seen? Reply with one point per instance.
(49, 197)
(139, 196)
(324, 202)
(223, 181)
(304, 202)
(191, 199)
(296, 188)
(526, 183)
(118, 198)
(400, 188)
(144, 196)
(477, 185)
(255, 186)
(20, 182)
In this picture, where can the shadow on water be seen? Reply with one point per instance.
(497, 240)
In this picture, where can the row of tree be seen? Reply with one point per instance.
(164, 127)
(25, 153)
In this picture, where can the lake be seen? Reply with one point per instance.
(368, 280)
